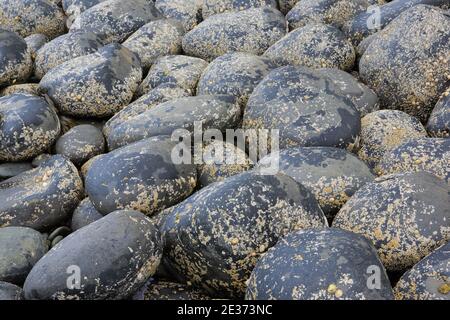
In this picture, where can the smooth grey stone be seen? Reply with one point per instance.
(20, 249)
(84, 215)
(114, 257)
(319, 264)
(406, 216)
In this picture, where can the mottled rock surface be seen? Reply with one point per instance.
(439, 122)
(84, 215)
(15, 58)
(114, 256)
(140, 176)
(28, 126)
(406, 216)
(20, 249)
(327, 264)
(216, 236)
(95, 85)
(41, 198)
(251, 31)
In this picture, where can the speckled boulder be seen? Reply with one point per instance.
(216, 111)
(326, 264)
(141, 176)
(9, 291)
(216, 236)
(31, 88)
(12, 169)
(116, 20)
(334, 12)
(212, 7)
(428, 279)
(236, 74)
(363, 98)
(84, 215)
(406, 216)
(384, 130)
(35, 42)
(15, 58)
(306, 108)
(81, 143)
(408, 63)
(439, 122)
(333, 175)
(315, 45)
(251, 31)
(366, 23)
(64, 48)
(41, 198)
(28, 126)
(164, 290)
(114, 257)
(96, 85)
(27, 17)
(20, 249)
(183, 71)
(220, 160)
(73, 8)
(424, 154)
(286, 5)
(187, 12)
(156, 39)
(162, 93)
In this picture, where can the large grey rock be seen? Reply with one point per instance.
(20, 249)
(95, 85)
(215, 237)
(251, 31)
(326, 264)
(15, 58)
(116, 20)
(140, 176)
(41, 198)
(28, 126)
(112, 257)
(406, 216)
(407, 63)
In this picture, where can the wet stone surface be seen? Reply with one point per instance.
(81, 143)
(41, 198)
(424, 154)
(20, 249)
(65, 48)
(251, 31)
(15, 57)
(116, 20)
(212, 7)
(333, 175)
(415, 48)
(326, 264)
(183, 71)
(9, 291)
(428, 279)
(439, 122)
(187, 12)
(156, 39)
(306, 108)
(384, 130)
(84, 215)
(28, 126)
(95, 85)
(27, 17)
(216, 236)
(236, 74)
(218, 112)
(406, 216)
(315, 45)
(115, 254)
(140, 176)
